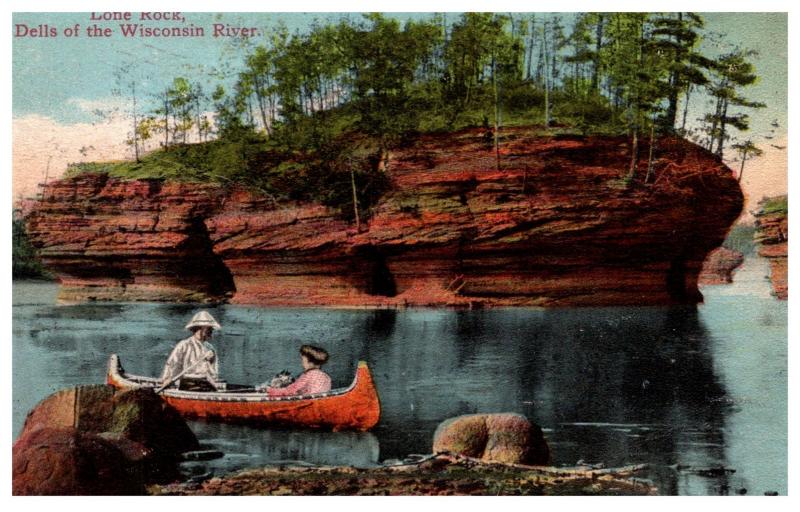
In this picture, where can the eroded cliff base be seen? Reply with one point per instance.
(556, 225)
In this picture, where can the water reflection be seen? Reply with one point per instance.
(629, 384)
(245, 448)
(609, 385)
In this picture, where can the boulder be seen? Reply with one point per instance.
(142, 416)
(64, 461)
(94, 426)
(505, 437)
(719, 266)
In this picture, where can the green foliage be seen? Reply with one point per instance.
(740, 238)
(221, 161)
(323, 176)
(676, 37)
(731, 72)
(779, 204)
(296, 117)
(25, 263)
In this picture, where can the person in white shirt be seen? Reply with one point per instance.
(193, 361)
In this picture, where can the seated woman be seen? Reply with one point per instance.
(313, 380)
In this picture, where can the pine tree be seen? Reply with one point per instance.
(677, 36)
(746, 150)
(731, 72)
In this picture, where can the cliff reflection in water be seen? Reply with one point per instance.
(648, 368)
(608, 385)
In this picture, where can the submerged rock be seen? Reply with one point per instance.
(131, 435)
(507, 437)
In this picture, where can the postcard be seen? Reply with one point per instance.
(382, 253)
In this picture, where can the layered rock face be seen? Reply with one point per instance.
(772, 234)
(109, 239)
(554, 226)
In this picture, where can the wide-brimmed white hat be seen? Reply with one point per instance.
(203, 319)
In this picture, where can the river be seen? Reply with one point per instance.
(680, 388)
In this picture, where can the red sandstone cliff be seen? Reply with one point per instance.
(556, 226)
(772, 233)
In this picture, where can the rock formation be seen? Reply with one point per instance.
(96, 440)
(557, 225)
(772, 234)
(720, 266)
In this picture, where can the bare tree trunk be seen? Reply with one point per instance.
(166, 121)
(721, 139)
(531, 41)
(262, 104)
(496, 113)
(634, 153)
(741, 169)
(135, 124)
(197, 117)
(46, 176)
(650, 153)
(686, 108)
(355, 197)
(672, 106)
(546, 80)
(598, 45)
(713, 134)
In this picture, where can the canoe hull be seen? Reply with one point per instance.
(354, 408)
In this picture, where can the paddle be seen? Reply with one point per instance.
(185, 370)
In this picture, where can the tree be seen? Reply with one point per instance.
(731, 72)
(676, 36)
(146, 128)
(636, 75)
(125, 88)
(181, 102)
(746, 150)
(384, 60)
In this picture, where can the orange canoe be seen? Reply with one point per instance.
(355, 407)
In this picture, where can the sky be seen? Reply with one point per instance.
(59, 83)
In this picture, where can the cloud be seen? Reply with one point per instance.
(42, 148)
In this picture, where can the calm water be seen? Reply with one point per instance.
(673, 387)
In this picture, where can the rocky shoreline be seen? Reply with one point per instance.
(441, 474)
(96, 440)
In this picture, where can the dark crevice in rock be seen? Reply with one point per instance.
(379, 279)
(202, 261)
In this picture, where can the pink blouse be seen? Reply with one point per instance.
(310, 382)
